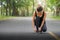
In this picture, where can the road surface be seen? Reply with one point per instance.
(21, 28)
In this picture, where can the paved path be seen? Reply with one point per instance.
(21, 28)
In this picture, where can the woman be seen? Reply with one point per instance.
(38, 21)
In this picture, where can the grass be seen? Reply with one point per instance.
(55, 17)
(5, 17)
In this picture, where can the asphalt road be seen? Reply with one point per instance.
(21, 28)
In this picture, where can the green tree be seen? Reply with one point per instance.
(54, 5)
(13, 7)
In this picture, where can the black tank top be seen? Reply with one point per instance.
(39, 19)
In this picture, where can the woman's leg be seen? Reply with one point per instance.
(37, 23)
(44, 29)
(36, 27)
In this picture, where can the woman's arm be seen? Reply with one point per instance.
(33, 20)
(44, 18)
(33, 17)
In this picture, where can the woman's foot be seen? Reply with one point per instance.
(37, 31)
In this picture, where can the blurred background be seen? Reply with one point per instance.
(21, 12)
(25, 8)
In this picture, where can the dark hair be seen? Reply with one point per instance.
(39, 9)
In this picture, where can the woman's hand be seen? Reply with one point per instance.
(40, 29)
(34, 29)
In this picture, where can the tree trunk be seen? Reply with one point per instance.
(10, 8)
(27, 11)
(7, 8)
(15, 11)
(6, 11)
(9, 11)
(1, 7)
(33, 7)
(57, 11)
